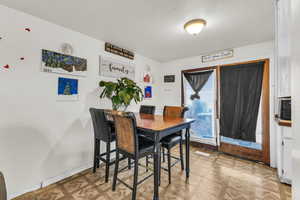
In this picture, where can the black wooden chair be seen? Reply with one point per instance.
(129, 144)
(3, 194)
(171, 141)
(145, 109)
(103, 131)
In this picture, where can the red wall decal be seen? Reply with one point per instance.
(27, 29)
(6, 66)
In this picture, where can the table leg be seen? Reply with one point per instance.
(187, 152)
(156, 169)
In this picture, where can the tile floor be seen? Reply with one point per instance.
(217, 177)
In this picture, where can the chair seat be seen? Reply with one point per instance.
(171, 140)
(113, 136)
(145, 145)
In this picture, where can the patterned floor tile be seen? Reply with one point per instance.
(52, 194)
(75, 184)
(217, 177)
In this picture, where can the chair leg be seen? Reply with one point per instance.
(116, 170)
(181, 155)
(135, 179)
(95, 156)
(107, 161)
(164, 154)
(147, 163)
(159, 171)
(169, 165)
(129, 163)
(98, 152)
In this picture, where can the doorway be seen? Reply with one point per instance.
(202, 109)
(208, 112)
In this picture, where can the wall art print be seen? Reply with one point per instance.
(116, 69)
(54, 62)
(67, 89)
(148, 92)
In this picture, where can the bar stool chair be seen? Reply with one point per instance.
(103, 131)
(145, 109)
(171, 141)
(3, 193)
(129, 144)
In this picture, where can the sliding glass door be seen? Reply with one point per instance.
(202, 109)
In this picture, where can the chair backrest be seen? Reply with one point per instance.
(145, 109)
(3, 195)
(126, 132)
(174, 111)
(102, 129)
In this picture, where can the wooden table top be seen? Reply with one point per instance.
(159, 122)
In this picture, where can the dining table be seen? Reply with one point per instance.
(156, 127)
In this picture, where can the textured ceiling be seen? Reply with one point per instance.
(154, 28)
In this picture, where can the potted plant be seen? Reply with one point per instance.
(121, 93)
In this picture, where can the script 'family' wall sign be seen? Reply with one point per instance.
(116, 69)
(118, 51)
(217, 55)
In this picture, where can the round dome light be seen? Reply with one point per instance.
(195, 26)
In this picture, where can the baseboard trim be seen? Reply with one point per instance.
(66, 174)
(49, 181)
(285, 180)
(33, 188)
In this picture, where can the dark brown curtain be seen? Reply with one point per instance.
(197, 80)
(241, 87)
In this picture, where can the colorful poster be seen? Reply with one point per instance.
(148, 92)
(67, 89)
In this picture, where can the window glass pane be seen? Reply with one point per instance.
(202, 110)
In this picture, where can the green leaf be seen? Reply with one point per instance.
(121, 93)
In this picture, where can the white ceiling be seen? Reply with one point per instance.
(154, 28)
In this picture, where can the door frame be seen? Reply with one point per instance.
(216, 109)
(252, 154)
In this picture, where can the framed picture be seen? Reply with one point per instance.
(169, 78)
(147, 77)
(148, 92)
(54, 62)
(67, 89)
(115, 69)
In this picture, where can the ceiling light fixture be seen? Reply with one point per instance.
(194, 26)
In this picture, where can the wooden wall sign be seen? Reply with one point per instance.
(217, 55)
(116, 69)
(169, 78)
(118, 51)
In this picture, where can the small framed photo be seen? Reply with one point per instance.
(148, 92)
(67, 89)
(169, 78)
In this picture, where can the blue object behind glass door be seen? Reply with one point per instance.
(202, 110)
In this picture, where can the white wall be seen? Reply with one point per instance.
(246, 53)
(41, 138)
(296, 96)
